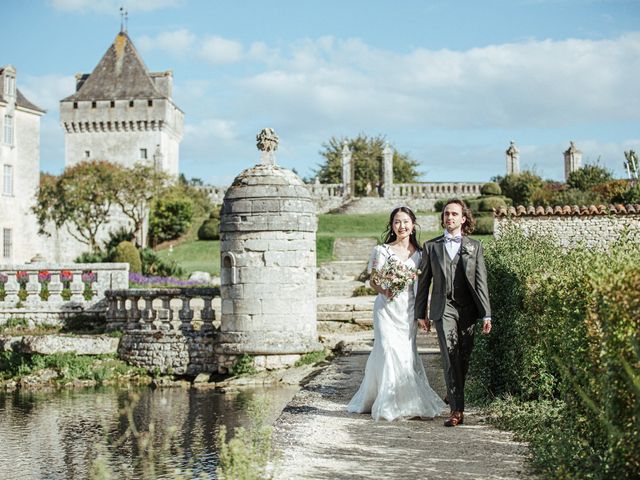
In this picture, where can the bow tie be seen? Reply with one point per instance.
(453, 239)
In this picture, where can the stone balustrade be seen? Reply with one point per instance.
(324, 190)
(169, 329)
(434, 190)
(47, 293)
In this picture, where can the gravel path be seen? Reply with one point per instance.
(318, 439)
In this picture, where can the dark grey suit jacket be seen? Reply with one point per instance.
(433, 272)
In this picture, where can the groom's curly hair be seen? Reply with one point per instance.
(469, 225)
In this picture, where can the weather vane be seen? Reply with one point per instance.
(123, 19)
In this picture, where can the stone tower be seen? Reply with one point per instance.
(513, 159)
(268, 265)
(572, 160)
(123, 113)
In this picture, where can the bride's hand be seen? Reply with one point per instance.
(388, 294)
(425, 325)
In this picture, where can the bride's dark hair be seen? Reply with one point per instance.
(390, 236)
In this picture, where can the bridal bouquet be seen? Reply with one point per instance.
(394, 276)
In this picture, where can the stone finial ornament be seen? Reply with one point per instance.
(267, 143)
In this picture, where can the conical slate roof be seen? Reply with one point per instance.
(120, 75)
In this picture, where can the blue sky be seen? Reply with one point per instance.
(449, 83)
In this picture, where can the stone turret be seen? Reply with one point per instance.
(572, 160)
(513, 159)
(123, 113)
(268, 265)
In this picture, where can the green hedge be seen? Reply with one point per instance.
(491, 188)
(565, 333)
(126, 252)
(487, 204)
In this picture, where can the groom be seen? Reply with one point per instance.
(454, 264)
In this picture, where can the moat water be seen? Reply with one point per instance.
(70, 434)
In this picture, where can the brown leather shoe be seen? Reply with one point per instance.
(456, 418)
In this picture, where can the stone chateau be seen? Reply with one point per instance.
(121, 112)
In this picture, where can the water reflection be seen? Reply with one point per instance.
(59, 435)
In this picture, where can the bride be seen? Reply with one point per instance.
(395, 384)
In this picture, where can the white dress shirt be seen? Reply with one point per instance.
(452, 244)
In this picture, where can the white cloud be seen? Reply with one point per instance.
(218, 50)
(113, 6)
(533, 84)
(177, 43)
(46, 91)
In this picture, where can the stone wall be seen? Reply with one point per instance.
(170, 330)
(592, 226)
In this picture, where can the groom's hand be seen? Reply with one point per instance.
(425, 325)
(486, 326)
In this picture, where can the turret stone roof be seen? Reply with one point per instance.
(21, 100)
(120, 75)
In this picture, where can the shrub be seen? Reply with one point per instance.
(215, 212)
(632, 195)
(311, 357)
(487, 204)
(565, 331)
(154, 265)
(588, 177)
(491, 188)
(243, 366)
(209, 230)
(520, 187)
(116, 237)
(574, 196)
(170, 218)
(126, 252)
(92, 257)
(484, 224)
(613, 191)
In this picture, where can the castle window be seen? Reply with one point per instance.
(87, 154)
(7, 243)
(10, 86)
(7, 183)
(75, 105)
(143, 153)
(131, 103)
(94, 104)
(8, 129)
(112, 104)
(150, 103)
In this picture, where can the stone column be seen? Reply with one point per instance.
(387, 154)
(347, 184)
(513, 159)
(572, 160)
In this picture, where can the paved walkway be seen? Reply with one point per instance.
(318, 439)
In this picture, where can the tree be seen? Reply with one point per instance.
(367, 162)
(589, 176)
(135, 188)
(79, 199)
(520, 187)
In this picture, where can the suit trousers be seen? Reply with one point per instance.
(455, 336)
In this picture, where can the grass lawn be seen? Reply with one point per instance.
(195, 255)
(204, 256)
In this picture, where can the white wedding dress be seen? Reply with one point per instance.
(395, 384)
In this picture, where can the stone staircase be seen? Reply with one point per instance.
(365, 205)
(340, 315)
